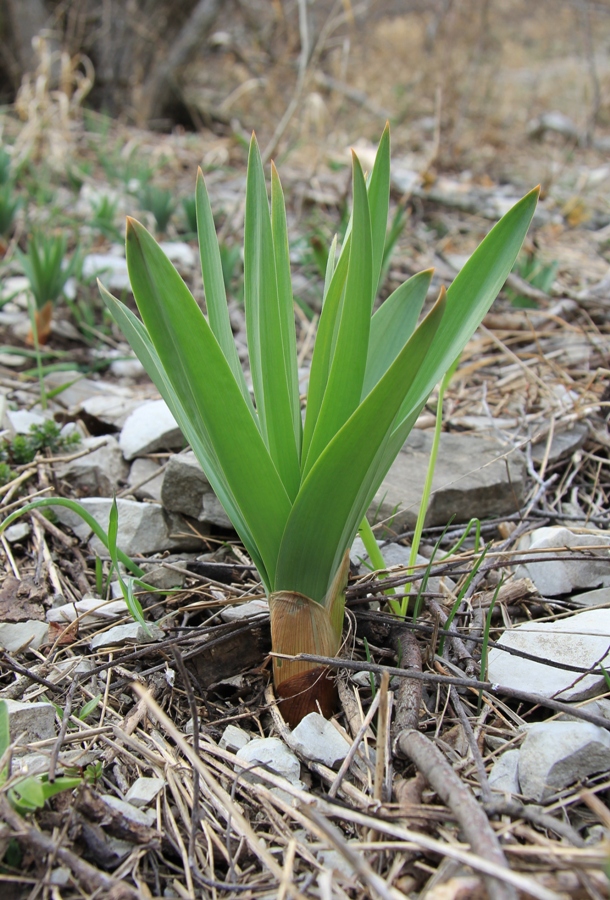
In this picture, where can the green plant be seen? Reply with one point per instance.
(45, 266)
(47, 436)
(5, 166)
(190, 214)
(9, 204)
(32, 792)
(160, 202)
(104, 217)
(540, 275)
(295, 492)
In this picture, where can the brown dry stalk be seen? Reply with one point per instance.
(460, 800)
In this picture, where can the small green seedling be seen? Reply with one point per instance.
(45, 266)
(23, 448)
(9, 204)
(160, 202)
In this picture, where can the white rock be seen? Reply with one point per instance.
(181, 254)
(142, 526)
(504, 775)
(556, 754)
(87, 610)
(132, 632)
(99, 472)
(318, 739)
(130, 811)
(30, 721)
(563, 576)
(233, 738)
(592, 598)
(149, 428)
(272, 754)
(127, 368)
(144, 790)
(110, 410)
(580, 640)
(186, 490)
(21, 420)
(17, 532)
(141, 470)
(16, 636)
(244, 611)
(110, 269)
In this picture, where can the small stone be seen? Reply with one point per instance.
(130, 811)
(75, 389)
(20, 421)
(579, 640)
(186, 490)
(180, 253)
(144, 790)
(97, 474)
(60, 877)
(318, 739)
(233, 738)
(87, 610)
(133, 632)
(474, 477)
(16, 636)
(163, 577)
(504, 775)
(244, 611)
(30, 722)
(127, 368)
(17, 532)
(556, 754)
(563, 576)
(110, 269)
(147, 471)
(563, 444)
(591, 598)
(110, 411)
(149, 428)
(271, 753)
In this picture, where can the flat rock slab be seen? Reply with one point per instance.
(16, 636)
(556, 754)
(504, 775)
(98, 473)
(565, 575)
(474, 477)
(30, 721)
(318, 739)
(149, 428)
(581, 640)
(563, 444)
(234, 738)
(271, 753)
(133, 632)
(144, 790)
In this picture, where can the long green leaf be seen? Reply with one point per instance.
(379, 204)
(325, 341)
(392, 326)
(214, 285)
(334, 496)
(193, 430)
(286, 303)
(346, 374)
(265, 328)
(204, 383)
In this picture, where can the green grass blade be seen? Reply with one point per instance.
(265, 327)
(379, 204)
(392, 326)
(131, 601)
(214, 285)
(334, 496)
(203, 381)
(346, 375)
(324, 346)
(286, 303)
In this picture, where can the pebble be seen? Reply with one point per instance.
(30, 721)
(504, 775)
(274, 755)
(122, 633)
(564, 576)
(16, 636)
(556, 754)
(317, 739)
(234, 738)
(149, 428)
(144, 790)
(244, 611)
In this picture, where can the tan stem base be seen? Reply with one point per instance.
(307, 692)
(43, 325)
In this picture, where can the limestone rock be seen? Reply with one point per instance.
(30, 722)
(143, 527)
(244, 611)
(19, 421)
(473, 477)
(318, 739)
(186, 490)
(590, 598)
(110, 268)
(17, 532)
(397, 555)
(149, 428)
(144, 790)
(180, 253)
(504, 775)
(147, 471)
(130, 811)
(110, 411)
(563, 443)
(132, 632)
(16, 636)
(274, 755)
(97, 474)
(556, 754)
(563, 576)
(234, 738)
(580, 640)
(87, 610)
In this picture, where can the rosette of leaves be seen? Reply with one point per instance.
(296, 491)
(45, 266)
